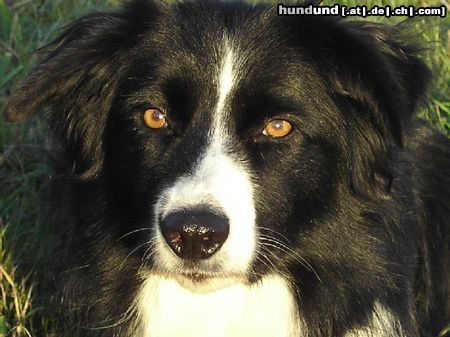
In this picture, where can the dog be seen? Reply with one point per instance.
(224, 171)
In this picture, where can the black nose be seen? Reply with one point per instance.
(194, 235)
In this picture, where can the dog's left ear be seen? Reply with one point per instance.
(382, 83)
(391, 70)
(375, 78)
(373, 67)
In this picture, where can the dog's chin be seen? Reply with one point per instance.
(206, 282)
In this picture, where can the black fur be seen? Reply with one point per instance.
(360, 189)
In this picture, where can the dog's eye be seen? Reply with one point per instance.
(277, 128)
(155, 118)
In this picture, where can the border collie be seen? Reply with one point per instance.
(224, 171)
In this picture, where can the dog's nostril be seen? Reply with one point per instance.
(194, 235)
(175, 238)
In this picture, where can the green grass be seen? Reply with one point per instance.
(29, 24)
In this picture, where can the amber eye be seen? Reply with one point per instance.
(277, 128)
(154, 118)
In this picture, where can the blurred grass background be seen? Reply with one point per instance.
(29, 24)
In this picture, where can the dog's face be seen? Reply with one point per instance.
(222, 139)
(229, 142)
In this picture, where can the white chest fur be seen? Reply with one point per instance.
(266, 309)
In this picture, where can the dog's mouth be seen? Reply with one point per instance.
(205, 282)
(198, 277)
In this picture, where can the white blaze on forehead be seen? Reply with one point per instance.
(218, 180)
(225, 84)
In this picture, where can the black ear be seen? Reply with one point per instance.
(382, 84)
(391, 73)
(374, 65)
(76, 81)
(374, 76)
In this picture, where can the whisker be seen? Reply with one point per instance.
(284, 271)
(134, 250)
(273, 242)
(275, 232)
(123, 319)
(132, 232)
(149, 253)
(151, 245)
(264, 259)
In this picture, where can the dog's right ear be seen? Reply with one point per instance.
(77, 79)
(62, 72)
(83, 59)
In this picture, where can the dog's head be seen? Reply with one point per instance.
(228, 141)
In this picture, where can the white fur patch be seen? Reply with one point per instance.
(265, 309)
(220, 182)
(383, 323)
(223, 185)
(226, 80)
